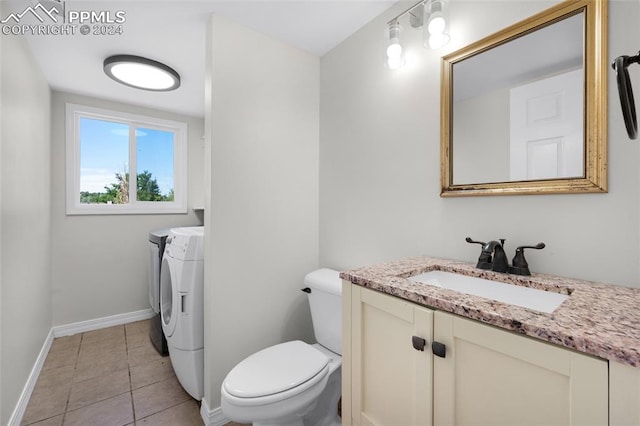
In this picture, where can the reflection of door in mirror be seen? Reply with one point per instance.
(546, 131)
(547, 62)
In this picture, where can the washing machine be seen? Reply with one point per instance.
(182, 306)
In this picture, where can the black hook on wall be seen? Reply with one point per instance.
(626, 92)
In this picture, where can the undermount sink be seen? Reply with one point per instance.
(526, 297)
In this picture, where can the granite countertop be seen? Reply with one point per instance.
(598, 319)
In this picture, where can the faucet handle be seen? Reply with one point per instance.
(469, 240)
(484, 261)
(520, 265)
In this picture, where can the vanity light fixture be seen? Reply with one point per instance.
(394, 54)
(141, 73)
(435, 32)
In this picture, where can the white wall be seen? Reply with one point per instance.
(481, 137)
(99, 262)
(25, 200)
(380, 163)
(261, 219)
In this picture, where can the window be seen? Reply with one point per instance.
(120, 163)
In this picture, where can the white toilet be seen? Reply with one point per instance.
(294, 383)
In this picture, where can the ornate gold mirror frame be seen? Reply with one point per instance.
(595, 105)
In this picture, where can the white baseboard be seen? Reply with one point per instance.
(68, 330)
(21, 406)
(98, 323)
(213, 417)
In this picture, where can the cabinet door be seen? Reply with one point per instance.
(391, 382)
(493, 377)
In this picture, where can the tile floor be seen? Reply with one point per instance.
(109, 377)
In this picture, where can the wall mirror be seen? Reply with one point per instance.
(524, 111)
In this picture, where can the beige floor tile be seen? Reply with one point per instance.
(158, 397)
(184, 414)
(53, 421)
(67, 342)
(103, 334)
(137, 339)
(105, 340)
(61, 358)
(49, 396)
(87, 380)
(137, 327)
(54, 378)
(92, 369)
(143, 354)
(45, 403)
(116, 411)
(151, 372)
(91, 359)
(98, 388)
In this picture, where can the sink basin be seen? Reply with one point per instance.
(532, 298)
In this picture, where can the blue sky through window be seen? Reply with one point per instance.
(155, 155)
(104, 151)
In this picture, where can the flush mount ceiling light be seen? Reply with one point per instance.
(431, 16)
(141, 73)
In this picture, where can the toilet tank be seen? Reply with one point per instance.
(325, 301)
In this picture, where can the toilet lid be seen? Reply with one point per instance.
(275, 369)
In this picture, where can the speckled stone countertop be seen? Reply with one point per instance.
(597, 319)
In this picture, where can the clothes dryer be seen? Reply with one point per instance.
(157, 241)
(182, 309)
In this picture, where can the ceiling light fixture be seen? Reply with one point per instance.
(141, 73)
(435, 32)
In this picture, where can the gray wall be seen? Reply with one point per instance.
(261, 218)
(380, 163)
(25, 200)
(99, 262)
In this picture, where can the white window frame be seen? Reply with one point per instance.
(75, 112)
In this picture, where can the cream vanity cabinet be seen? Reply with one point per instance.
(487, 376)
(494, 377)
(385, 381)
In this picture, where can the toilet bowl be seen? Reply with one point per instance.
(294, 383)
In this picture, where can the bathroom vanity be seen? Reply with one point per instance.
(420, 353)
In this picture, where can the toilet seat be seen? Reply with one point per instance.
(276, 373)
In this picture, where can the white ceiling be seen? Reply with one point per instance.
(173, 32)
(522, 60)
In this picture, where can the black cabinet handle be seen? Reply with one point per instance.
(439, 349)
(418, 343)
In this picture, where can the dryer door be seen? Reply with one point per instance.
(168, 295)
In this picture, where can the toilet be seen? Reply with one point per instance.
(294, 383)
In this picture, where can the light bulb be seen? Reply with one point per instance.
(436, 25)
(395, 63)
(436, 41)
(394, 50)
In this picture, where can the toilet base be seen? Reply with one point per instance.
(281, 422)
(325, 412)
